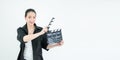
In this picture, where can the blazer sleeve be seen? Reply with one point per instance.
(44, 43)
(20, 34)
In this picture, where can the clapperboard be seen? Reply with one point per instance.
(54, 36)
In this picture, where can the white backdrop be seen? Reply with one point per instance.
(91, 28)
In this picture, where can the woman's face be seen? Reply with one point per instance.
(30, 18)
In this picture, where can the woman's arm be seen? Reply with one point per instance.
(55, 45)
(30, 37)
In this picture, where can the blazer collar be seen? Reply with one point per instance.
(26, 29)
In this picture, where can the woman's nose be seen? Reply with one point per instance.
(33, 19)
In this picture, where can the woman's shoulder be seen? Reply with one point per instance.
(38, 27)
(19, 28)
(23, 28)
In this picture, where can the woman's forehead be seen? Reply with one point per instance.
(31, 14)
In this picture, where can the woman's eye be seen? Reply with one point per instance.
(34, 17)
(29, 17)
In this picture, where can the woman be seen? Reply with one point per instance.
(32, 38)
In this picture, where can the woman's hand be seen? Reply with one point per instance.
(60, 43)
(55, 44)
(44, 30)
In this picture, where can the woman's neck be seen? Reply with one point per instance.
(30, 28)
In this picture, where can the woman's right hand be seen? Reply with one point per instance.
(44, 30)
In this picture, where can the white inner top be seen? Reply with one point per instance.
(28, 52)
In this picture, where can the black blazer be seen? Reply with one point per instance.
(37, 44)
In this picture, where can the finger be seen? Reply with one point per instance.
(62, 42)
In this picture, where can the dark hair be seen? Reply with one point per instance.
(29, 10)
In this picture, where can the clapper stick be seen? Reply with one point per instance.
(53, 36)
(50, 23)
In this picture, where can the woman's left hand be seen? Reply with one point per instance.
(55, 44)
(60, 43)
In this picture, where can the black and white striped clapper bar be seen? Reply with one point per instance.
(54, 36)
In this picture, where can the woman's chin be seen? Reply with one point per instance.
(31, 24)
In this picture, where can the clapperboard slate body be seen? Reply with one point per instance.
(54, 36)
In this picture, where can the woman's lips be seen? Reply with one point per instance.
(31, 22)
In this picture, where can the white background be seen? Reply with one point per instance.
(91, 28)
